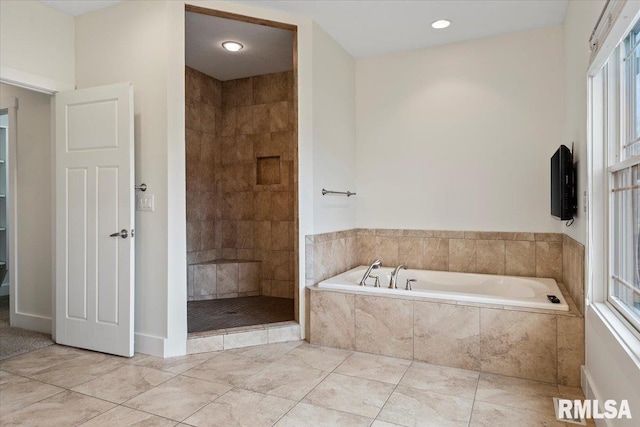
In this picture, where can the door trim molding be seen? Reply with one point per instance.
(30, 81)
(10, 105)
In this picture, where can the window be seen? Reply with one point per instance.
(623, 168)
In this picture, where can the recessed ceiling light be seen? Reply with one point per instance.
(440, 24)
(232, 46)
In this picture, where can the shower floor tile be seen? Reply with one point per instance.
(208, 315)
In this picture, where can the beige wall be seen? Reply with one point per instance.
(579, 22)
(143, 42)
(34, 204)
(334, 149)
(126, 42)
(36, 45)
(459, 137)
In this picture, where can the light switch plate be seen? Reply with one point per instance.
(145, 203)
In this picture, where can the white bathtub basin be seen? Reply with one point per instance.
(482, 288)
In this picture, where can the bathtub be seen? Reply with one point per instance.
(479, 288)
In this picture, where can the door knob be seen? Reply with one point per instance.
(124, 234)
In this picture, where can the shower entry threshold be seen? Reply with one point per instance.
(224, 324)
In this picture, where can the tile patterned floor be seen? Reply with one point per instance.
(287, 384)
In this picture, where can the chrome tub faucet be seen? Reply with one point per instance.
(394, 276)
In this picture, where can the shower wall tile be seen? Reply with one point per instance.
(209, 150)
(193, 140)
(254, 119)
(282, 235)
(244, 121)
(262, 234)
(248, 276)
(202, 111)
(192, 85)
(261, 123)
(281, 288)
(279, 117)
(227, 277)
(244, 148)
(223, 279)
(207, 235)
(281, 206)
(244, 239)
(204, 279)
(211, 92)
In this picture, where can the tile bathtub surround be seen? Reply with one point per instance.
(539, 345)
(288, 384)
(329, 254)
(504, 253)
(573, 269)
(241, 162)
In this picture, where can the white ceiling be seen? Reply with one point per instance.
(378, 27)
(80, 7)
(369, 28)
(266, 49)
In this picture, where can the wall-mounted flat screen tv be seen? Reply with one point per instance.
(563, 200)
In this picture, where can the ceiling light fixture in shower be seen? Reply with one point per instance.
(440, 24)
(232, 46)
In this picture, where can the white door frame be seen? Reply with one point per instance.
(25, 80)
(10, 106)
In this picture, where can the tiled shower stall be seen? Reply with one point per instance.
(240, 162)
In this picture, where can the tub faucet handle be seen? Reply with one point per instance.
(409, 281)
(377, 283)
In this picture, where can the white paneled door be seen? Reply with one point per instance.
(95, 219)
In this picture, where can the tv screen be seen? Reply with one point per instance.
(562, 189)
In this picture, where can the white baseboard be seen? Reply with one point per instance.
(149, 344)
(31, 322)
(590, 392)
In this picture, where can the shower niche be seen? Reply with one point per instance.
(241, 154)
